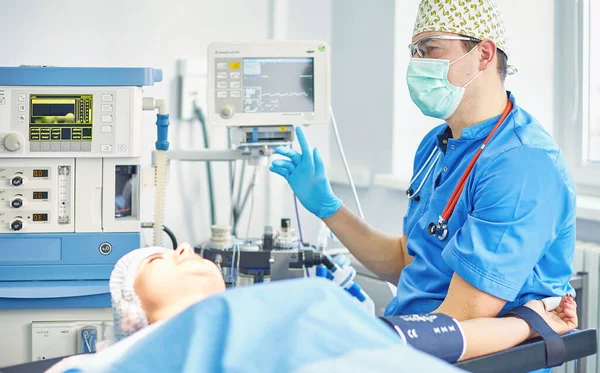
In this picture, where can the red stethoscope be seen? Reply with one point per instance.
(440, 230)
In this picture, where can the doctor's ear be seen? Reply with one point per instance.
(488, 52)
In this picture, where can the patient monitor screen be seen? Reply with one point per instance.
(265, 85)
(280, 85)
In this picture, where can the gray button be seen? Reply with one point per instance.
(45, 146)
(55, 146)
(34, 146)
(452, 147)
(75, 146)
(86, 146)
(65, 146)
(445, 169)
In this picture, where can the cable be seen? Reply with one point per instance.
(346, 167)
(251, 203)
(241, 183)
(237, 267)
(211, 196)
(171, 236)
(166, 230)
(232, 190)
(246, 196)
(298, 220)
(236, 207)
(232, 274)
(232, 170)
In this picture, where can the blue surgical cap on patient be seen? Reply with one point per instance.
(129, 317)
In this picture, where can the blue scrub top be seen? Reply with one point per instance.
(512, 234)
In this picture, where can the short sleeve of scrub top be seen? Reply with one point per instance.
(519, 200)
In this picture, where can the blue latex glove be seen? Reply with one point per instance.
(306, 175)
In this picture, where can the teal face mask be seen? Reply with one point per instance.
(430, 89)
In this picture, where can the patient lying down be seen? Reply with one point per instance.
(292, 326)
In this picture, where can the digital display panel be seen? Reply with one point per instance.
(40, 173)
(40, 217)
(40, 195)
(61, 109)
(278, 85)
(61, 117)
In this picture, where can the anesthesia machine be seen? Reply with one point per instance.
(70, 150)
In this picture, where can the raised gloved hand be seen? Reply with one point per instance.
(306, 175)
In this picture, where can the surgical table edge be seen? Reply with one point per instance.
(524, 358)
(531, 355)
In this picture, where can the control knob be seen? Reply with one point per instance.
(227, 111)
(16, 225)
(17, 202)
(13, 142)
(17, 180)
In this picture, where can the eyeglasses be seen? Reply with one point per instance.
(435, 46)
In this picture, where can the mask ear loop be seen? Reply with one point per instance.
(471, 81)
(463, 56)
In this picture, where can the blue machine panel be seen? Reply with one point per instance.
(60, 270)
(80, 256)
(54, 294)
(79, 76)
(26, 248)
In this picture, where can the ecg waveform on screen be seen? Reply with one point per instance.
(258, 101)
(285, 94)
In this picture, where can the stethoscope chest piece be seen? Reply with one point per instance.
(440, 230)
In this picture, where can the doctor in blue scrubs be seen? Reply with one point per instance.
(491, 216)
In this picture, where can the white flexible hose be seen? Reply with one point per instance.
(160, 180)
(346, 167)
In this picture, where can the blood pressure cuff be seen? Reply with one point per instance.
(436, 334)
(556, 351)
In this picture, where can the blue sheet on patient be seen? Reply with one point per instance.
(290, 326)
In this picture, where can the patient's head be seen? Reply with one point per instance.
(152, 284)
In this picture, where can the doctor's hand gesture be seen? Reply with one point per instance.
(306, 175)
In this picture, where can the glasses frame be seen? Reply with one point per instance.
(414, 50)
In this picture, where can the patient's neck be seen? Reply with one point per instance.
(173, 307)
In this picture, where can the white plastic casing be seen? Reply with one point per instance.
(117, 122)
(237, 51)
(90, 193)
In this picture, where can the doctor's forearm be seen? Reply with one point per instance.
(381, 253)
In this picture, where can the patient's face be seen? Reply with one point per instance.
(178, 277)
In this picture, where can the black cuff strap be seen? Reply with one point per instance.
(556, 352)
